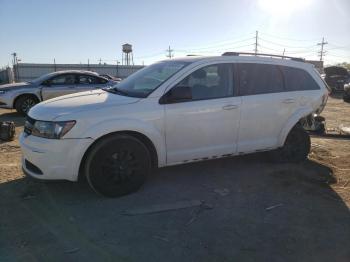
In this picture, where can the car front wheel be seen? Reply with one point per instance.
(24, 103)
(117, 165)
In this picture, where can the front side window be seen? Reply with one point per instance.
(209, 82)
(67, 79)
(298, 79)
(257, 79)
(145, 81)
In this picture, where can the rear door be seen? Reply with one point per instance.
(266, 106)
(59, 85)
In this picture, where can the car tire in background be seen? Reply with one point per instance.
(296, 147)
(24, 103)
(117, 165)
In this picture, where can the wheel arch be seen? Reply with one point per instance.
(292, 121)
(142, 137)
(23, 95)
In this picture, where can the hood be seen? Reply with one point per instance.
(15, 86)
(336, 71)
(78, 102)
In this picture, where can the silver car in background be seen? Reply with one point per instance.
(22, 96)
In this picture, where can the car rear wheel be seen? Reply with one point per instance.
(296, 147)
(24, 103)
(117, 165)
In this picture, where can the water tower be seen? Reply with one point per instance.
(128, 57)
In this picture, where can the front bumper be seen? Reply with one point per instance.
(5, 102)
(52, 159)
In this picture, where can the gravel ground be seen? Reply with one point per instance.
(237, 209)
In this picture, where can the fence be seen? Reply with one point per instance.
(6, 76)
(30, 71)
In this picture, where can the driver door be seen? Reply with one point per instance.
(207, 124)
(59, 85)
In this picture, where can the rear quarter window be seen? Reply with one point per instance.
(298, 79)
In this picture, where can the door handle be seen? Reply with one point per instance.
(289, 101)
(230, 107)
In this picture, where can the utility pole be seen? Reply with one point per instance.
(100, 61)
(14, 66)
(170, 51)
(322, 44)
(14, 60)
(54, 64)
(256, 42)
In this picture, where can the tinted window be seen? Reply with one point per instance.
(88, 80)
(102, 80)
(209, 82)
(297, 79)
(259, 79)
(63, 80)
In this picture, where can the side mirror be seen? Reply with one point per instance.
(176, 95)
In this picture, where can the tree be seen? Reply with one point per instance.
(345, 65)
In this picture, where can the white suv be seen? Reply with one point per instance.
(173, 112)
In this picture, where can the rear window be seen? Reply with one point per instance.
(297, 79)
(259, 79)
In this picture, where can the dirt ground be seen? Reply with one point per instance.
(237, 209)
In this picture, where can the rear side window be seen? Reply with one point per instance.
(257, 79)
(88, 80)
(102, 80)
(297, 79)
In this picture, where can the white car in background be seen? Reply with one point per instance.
(173, 112)
(23, 96)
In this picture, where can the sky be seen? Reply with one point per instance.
(78, 31)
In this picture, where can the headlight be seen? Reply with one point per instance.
(2, 92)
(52, 130)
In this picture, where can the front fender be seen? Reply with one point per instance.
(153, 132)
(25, 91)
(291, 122)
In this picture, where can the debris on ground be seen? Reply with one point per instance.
(71, 251)
(344, 130)
(196, 213)
(162, 207)
(27, 196)
(161, 238)
(272, 207)
(222, 192)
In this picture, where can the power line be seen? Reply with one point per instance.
(289, 39)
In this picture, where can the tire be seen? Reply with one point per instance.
(346, 98)
(24, 103)
(296, 147)
(117, 165)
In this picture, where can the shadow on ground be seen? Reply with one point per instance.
(17, 118)
(253, 211)
(337, 95)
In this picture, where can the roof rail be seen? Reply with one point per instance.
(267, 55)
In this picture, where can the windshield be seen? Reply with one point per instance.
(146, 80)
(41, 78)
